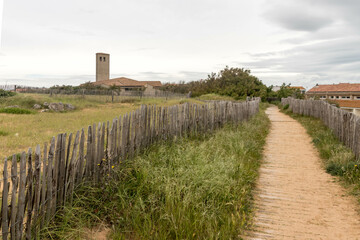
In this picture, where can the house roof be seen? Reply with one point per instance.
(349, 103)
(153, 83)
(127, 82)
(341, 87)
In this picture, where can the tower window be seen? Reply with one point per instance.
(104, 59)
(100, 59)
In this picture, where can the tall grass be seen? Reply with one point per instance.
(338, 159)
(196, 188)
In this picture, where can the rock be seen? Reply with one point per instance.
(69, 106)
(37, 106)
(14, 106)
(44, 110)
(46, 104)
(56, 107)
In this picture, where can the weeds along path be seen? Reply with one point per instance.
(295, 197)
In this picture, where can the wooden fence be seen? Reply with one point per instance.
(47, 177)
(345, 125)
(105, 92)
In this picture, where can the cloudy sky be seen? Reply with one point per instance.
(48, 42)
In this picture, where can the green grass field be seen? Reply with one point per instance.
(19, 132)
(196, 188)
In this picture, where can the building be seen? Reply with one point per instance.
(125, 84)
(102, 66)
(347, 95)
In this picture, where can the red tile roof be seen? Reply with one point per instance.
(127, 82)
(153, 83)
(341, 87)
(349, 103)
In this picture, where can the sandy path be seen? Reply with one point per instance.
(295, 197)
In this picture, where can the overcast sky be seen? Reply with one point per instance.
(49, 42)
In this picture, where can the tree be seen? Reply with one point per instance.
(234, 82)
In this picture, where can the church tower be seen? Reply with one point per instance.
(102, 66)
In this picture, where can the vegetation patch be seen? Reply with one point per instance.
(3, 133)
(215, 97)
(16, 111)
(198, 187)
(4, 93)
(338, 159)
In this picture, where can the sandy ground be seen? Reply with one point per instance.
(295, 197)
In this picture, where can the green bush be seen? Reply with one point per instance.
(286, 106)
(16, 111)
(4, 93)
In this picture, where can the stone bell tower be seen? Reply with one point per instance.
(102, 66)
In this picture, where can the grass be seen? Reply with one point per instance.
(28, 130)
(338, 159)
(3, 133)
(215, 97)
(196, 188)
(16, 111)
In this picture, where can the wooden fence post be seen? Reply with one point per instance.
(4, 208)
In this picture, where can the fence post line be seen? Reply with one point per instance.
(43, 187)
(72, 169)
(13, 196)
(29, 195)
(4, 207)
(50, 180)
(88, 153)
(80, 168)
(62, 171)
(21, 198)
(37, 187)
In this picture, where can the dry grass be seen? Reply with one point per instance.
(24, 131)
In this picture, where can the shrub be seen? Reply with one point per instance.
(4, 93)
(16, 111)
(286, 106)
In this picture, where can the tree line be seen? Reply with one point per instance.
(238, 83)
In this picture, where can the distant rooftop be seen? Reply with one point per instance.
(127, 82)
(341, 87)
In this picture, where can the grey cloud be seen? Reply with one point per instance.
(301, 22)
(298, 17)
(312, 16)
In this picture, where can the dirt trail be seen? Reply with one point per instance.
(295, 197)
